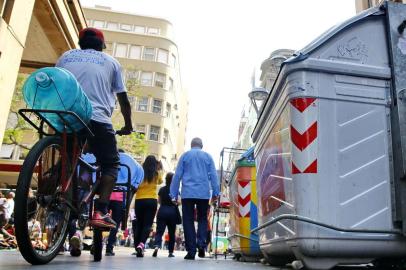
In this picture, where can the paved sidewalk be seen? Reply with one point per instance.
(12, 260)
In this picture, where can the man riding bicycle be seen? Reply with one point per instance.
(101, 79)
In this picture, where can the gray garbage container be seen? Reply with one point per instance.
(329, 146)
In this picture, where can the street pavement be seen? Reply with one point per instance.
(12, 260)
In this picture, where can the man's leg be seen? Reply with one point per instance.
(188, 206)
(104, 146)
(116, 208)
(202, 207)
(71, 228)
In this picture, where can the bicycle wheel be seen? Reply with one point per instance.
(41, 214)
(97, 244)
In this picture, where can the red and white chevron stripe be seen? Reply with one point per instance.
(303, 133)
(244, 198)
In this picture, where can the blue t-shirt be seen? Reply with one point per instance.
(99, 74)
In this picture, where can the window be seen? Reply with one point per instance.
(170, 84)
(146, 78)
(157, 106)
(168, 110)
(121, 50)
(98, 24)
(140, 129)
(109, 48)
(125, 27)
(135, 52)
(132, 75)
(112, 25)
(154, 133)
(131, 99)
(166, 136)
(153, 31)
(142, 104)
(149, 54)
(163, 56)
(160, 80)
(139, 29)
(172, 61)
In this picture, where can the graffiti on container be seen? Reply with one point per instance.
(273, 167)
(354, 49)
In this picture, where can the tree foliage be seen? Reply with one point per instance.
(134, 144)
(15, 134)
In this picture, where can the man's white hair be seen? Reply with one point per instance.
(196, 142)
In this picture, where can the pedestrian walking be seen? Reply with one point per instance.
(168, 216)
(146, 202)
(197, 172)
(117, 200)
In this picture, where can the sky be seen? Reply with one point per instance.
(221, 42)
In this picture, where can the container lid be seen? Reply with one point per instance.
(296, 63)
(330, 33)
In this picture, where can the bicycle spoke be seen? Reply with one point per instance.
(47, 218)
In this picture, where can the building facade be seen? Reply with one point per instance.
(269, 71)
(145, 48)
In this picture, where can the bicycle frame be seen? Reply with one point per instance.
(72, 145)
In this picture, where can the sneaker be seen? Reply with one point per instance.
(102, 221)
(155, 254)
(75, 252)
(189, 256)
(140, 250)
(110, 253)
(171, 255)
(74, 245)
(201, 253)
(74, 242)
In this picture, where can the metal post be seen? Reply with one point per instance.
(216, 206)
(395, 16)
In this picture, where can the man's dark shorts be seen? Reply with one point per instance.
(104, 147)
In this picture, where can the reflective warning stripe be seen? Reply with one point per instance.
(303, 133)
(244, 198)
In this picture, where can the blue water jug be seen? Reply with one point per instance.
(53, 88)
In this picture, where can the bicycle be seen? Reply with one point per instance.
(47, 196)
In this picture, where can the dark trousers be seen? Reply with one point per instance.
(166, 217)
(145, 210)
(117, 212)
(134, 228)
(193, 241)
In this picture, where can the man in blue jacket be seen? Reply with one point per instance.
(117, 199)
(197, 172)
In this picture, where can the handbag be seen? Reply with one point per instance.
(178, 216)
